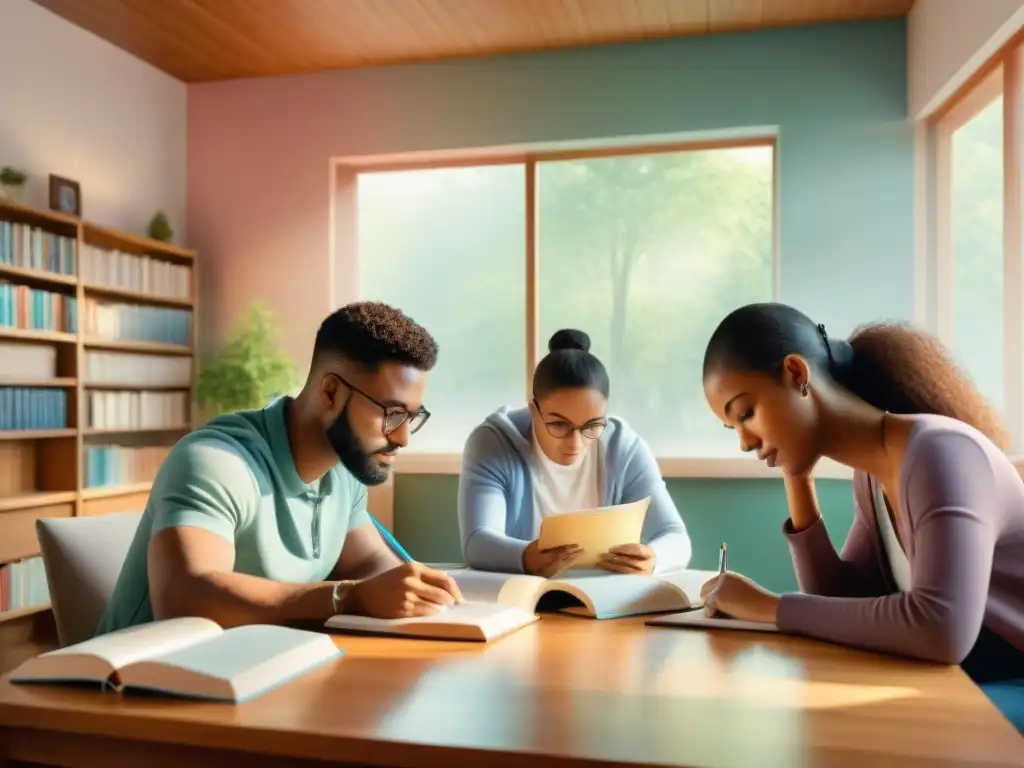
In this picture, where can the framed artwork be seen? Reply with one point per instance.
(65, 196)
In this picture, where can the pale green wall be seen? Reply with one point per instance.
(747, 514)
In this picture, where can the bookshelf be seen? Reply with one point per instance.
(97, 367)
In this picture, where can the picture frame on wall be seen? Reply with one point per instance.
(65, 196)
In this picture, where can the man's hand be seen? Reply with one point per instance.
(411, 589)
(548, 562)
(628, 558)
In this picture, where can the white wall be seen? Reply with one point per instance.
(947, 40)
(76, 106)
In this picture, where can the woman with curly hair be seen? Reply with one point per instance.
(933, 566)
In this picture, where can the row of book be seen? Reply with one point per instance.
(32, 309)
(23, 408)
(23, 584)
(132, 272)
(138, 410)
(122, 464)
(135, 370)
(29, 247)
(131, 322)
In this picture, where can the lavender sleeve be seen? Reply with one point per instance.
(855, 572)
(952, 511)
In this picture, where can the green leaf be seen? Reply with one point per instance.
(249, 369)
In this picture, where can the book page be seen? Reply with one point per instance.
(505, 588)
(614, 594)
(243, 660)
(690, 582)
(595, 530)
(700, 620)
(477, 614)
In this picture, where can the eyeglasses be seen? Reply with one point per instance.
(561, 429)
(394, 416)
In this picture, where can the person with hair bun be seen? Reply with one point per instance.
(562, 453)
(933, 566)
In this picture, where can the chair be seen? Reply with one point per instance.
(83, 557)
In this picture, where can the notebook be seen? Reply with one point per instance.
(700, 620)
(190, 657)
(595, 594)
(473, 621)
(595, 531)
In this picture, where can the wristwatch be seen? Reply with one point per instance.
(340, 592)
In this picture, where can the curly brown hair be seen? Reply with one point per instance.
(892, 366)
(369, 333)
(901, 369)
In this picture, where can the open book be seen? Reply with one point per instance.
(596, 594)
(475, 621)
(700, 620)
(595, 531)
(189, 657)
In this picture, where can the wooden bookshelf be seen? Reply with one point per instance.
(97, 327)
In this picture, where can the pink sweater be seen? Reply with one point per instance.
(962, 526)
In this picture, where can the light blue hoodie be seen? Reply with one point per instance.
(496, 514)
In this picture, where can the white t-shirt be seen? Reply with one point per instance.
(559, 488)
(898, 563)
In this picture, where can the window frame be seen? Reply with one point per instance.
(1000, 75)
(344, 235)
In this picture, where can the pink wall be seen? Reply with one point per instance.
(76, 106)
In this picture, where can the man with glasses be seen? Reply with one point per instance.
(259, 517)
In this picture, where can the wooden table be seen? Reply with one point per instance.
(562, 692)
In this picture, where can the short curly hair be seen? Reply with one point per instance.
(369, 333)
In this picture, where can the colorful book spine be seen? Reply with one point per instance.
(23, 584)
(28, 408)
(31, 309)
(132, 322)
(122, 464)
(28, 247)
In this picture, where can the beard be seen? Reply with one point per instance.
(365, 467)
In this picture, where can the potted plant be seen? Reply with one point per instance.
(160, 228)
(248, 370)
(12, 183)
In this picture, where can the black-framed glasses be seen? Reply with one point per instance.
(394, 415)
(561, 429)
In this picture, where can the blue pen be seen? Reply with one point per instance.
(391, 541)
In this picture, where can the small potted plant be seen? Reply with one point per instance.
(12, 183)
(160, 228)
(248, 370)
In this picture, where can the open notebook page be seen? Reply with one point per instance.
(243, 649)
(508, 589)
(144, 641)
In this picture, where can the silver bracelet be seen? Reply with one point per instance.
(339, 593)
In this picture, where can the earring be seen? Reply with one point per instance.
(804, 389)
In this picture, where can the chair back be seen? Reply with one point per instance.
(83, 558)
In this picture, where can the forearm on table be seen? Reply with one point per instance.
(234, 599)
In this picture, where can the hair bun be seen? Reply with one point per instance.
(567, 338)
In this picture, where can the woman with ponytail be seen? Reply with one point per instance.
(563, 452)
(933, 566)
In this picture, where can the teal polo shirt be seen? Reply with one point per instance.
(235, 478)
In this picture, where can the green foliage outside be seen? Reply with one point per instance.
(250, 368)
(646, 253)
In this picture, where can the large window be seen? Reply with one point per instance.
(647, 253)
(446, 247)
(976, 222)
(644, 251)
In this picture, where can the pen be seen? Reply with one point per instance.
(390, 540)
(723, 565)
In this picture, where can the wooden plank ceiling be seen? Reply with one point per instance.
(201, 40)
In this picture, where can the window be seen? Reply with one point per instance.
(976, 221)
(446, 247)
(646, 252)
